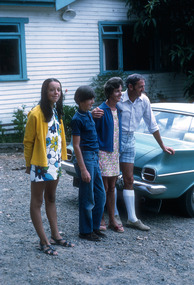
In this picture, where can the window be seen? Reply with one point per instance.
(12, 49)
(111, 47)
(119, 51)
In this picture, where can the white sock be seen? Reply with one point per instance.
(129, 199)
(116, 210)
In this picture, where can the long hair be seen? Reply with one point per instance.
(45, 104)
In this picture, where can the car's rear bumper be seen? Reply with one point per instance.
(142, 186)
(68, 167)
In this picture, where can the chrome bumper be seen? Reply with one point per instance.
(68, 167)
(138, 185)
(149, 188)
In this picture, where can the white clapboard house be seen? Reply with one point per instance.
(73, 41)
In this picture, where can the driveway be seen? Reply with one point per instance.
(164, 255)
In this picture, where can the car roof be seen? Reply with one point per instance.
(183, 108)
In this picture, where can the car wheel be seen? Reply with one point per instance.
(186, 203)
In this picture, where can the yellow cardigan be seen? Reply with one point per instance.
(35, 139)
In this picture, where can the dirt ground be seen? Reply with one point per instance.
(164, 255)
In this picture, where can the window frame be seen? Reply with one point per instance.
(110, 35)
(20, 35)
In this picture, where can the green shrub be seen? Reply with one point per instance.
(99, 81)
(19, 122)
(20, 119)
(189, 87)
(69, 112)
(2, 133)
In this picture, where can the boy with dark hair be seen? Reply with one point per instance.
(91, 189)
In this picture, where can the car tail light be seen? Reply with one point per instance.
(148, 174)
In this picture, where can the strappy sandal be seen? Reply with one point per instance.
(61, 242)
(118, 229)
(102, 228)
(48, 249)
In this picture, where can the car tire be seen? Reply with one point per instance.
(186, 203)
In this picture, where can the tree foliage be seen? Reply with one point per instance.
(171, 18)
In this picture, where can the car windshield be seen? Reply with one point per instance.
(172, 125)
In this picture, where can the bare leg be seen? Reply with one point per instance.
(51, 211)
(50, 205)
(127, 171)
(109, 183)
(37, 189)
(103, 223)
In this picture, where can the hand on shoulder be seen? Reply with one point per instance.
(97, 113)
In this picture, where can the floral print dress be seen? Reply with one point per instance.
(109, 161)
(53, 149)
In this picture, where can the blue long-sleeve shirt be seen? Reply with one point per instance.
(105, 128)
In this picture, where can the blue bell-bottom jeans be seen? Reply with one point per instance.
(92, 196)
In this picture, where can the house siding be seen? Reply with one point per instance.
(68, 51)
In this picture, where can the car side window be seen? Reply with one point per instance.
(192, 126)
(180, 126)
(172, 125)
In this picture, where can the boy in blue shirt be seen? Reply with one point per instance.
(92, 195)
